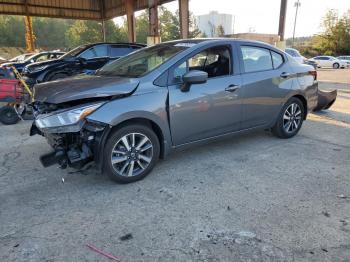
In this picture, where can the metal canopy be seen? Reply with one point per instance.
(72, 9)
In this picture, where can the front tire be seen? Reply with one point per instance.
(290, 119)
(130, 153)
(336, 65)
(8, 115)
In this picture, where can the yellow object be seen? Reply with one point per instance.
(30, 38)
(19, 76)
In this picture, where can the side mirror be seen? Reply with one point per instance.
(82, 60)
(193, 77)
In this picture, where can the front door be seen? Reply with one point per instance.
(208, 109)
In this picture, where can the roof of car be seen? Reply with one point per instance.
(117, 43)
(205, 40)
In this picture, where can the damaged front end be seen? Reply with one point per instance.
(76, 141)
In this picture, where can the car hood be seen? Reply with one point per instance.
(15, 64)
(44, 63)
(83, 87)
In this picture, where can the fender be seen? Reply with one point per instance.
(151, 107)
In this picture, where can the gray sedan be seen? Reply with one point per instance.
(143, 106)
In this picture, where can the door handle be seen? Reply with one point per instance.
(285, 75)
(232, 88)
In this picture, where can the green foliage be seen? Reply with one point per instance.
(220, 31)
(65, 34)
(334, 39)
(12, 31)
(50, 32)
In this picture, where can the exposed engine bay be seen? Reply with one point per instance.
(74, 144)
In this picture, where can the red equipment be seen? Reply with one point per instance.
(11, 90)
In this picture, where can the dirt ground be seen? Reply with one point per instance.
(341, 76)
(249, 198)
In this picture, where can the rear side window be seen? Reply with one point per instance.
(120, 50)
(256, 59)
(277, 59)
(95, 51)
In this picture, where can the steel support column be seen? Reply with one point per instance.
(282, 21)
(103, 26)
(184, 18)
(130, 17)
(153, 31)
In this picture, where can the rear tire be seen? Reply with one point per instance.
(336, 65)
(290, 119)
(8, 115)
(130, 153)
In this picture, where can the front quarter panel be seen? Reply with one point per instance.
(148, 102)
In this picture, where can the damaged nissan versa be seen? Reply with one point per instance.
(139, 108)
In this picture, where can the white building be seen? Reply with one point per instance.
(209, 23)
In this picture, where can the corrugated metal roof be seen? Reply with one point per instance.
(73, 9)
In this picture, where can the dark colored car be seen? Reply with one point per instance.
(43, 56)
(146, 104)
(83, 59)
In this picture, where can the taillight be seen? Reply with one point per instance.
(314, 74)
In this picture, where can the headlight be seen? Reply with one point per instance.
(66, 118)
(36, 69)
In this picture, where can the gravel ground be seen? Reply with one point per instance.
(334, 75)
(248, 198)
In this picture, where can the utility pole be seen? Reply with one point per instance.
(296, 5)
(282, 20)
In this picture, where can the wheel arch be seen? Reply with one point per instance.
(304, 102)
(149, 123)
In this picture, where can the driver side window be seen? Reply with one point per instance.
(216, 61)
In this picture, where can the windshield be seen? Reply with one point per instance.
(143, 61)
(74, 52)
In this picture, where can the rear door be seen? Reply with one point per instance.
(267, 78)
(208, 109)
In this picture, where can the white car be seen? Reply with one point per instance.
(328, 61)
(295, 54)
(345, 59)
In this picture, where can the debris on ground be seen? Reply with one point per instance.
(326, 214)
(126, 237)
(97, 250)
(342, 196)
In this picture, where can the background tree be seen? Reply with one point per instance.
(335, 38)
(220, 31)
(65, 33)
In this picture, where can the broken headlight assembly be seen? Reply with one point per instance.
(66, 121)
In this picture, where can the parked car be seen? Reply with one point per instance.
(328, 61)
(146, 104)
(345, 59)
(2, 60)
(43, 56)
(21, 57)
(83, 59)
(296, 55)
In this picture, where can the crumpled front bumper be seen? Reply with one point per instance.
(74, 149)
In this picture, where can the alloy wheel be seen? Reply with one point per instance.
(132, 154)
(292, 118)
